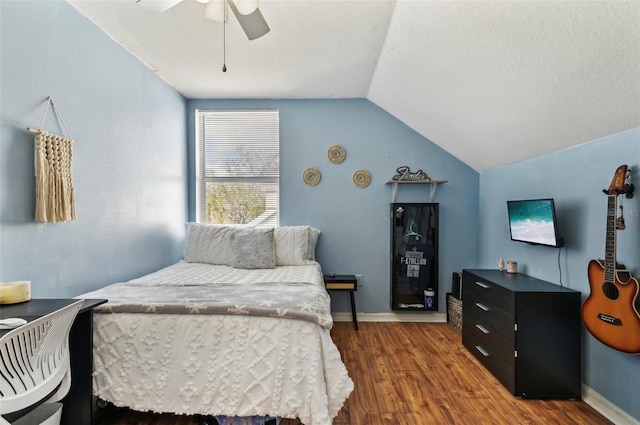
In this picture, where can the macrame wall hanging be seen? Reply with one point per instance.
(55, 199)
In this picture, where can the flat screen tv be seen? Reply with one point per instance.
(534, 221)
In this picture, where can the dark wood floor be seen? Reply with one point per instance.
(413, 374)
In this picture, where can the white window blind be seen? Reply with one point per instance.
(238, 167)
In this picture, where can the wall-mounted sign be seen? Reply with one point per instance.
(405, 174)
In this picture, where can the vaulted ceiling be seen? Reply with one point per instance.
(491, 82)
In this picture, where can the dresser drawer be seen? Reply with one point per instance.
(490, 360)
(491, 339)
(495, 318)
(499, 296)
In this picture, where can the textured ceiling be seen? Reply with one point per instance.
(491, 82)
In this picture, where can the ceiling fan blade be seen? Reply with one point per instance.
(252, 24)
(158, 5)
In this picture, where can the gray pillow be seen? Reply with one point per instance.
(253, 249)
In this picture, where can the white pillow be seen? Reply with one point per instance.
(295, 245)
(314, 234)
(254, 249)
(209, 243)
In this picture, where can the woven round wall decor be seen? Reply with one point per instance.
(336, 154)
(361, 178)
(311, 176)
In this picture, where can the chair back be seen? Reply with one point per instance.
(34, 359)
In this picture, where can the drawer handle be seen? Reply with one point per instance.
(482, 351)
(482, 285)
(482, 306)
(482, 329)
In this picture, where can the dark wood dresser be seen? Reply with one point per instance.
(525, 331)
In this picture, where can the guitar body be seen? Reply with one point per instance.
(610, 312)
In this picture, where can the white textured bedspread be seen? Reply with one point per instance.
(218, 364)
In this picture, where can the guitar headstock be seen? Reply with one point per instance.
(620, 183)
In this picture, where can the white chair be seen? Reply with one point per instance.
(34, 366)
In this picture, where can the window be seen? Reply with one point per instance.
(237, 167)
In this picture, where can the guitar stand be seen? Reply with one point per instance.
(627, 191)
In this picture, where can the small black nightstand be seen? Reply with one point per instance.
(344, 282)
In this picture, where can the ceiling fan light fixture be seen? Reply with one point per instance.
(203, 1)
(253, 24)
(246, 7)
(216, 10)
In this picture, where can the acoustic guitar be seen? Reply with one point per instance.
(610, 312)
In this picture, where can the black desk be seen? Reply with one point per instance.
(78, 408)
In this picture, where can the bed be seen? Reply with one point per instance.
(240, 327)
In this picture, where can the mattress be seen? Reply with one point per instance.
(234, 364)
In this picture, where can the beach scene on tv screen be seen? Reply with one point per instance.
(532, 222)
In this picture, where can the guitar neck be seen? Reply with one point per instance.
(610, 244)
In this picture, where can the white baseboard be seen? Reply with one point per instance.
(392, 317)
(589, 396)
(606, 408)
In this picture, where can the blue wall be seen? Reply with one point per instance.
(355, 221)
(575, 179)
(129, 165)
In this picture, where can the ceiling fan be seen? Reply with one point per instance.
(246, 12)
